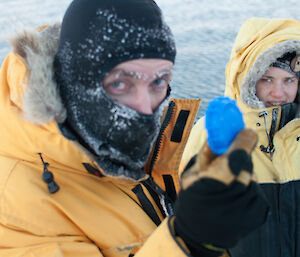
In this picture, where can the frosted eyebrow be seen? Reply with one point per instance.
(162, 73)
(120, 72)
(139, 75)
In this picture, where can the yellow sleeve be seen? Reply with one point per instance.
(163, 242)
(30, 245)
(196, 139)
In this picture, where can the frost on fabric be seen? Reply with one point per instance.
(119, 137)
(116, 38)
(142, 76)
(65, 55)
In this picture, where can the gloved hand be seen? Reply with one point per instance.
(220, 202)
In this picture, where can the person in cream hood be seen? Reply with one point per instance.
(262, 75)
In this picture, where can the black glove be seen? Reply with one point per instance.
(220, 202)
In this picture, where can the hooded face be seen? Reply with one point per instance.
(113, 69)
(277, 87)
(260, 44)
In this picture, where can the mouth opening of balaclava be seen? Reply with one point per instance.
(96, 36)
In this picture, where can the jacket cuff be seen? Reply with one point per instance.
(201, 250)
(163, 242)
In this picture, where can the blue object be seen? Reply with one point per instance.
(223, 121)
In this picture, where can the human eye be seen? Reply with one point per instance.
(116, 87)
(266, 80)
(162, 82)
(290, 80)
(159, 82)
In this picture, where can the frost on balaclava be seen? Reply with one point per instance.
(97, 35)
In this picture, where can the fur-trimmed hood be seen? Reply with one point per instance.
(258, 44)
(41, 101)
(30, 105)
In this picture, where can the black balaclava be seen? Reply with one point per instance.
(97, 35)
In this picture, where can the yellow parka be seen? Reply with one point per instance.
(91, 215)
(276, 157)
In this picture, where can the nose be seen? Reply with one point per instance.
(277, 90)
(142, 102)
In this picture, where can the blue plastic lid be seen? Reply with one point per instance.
(223, 121)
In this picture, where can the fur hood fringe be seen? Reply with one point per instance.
(261, 65)
(41, 102)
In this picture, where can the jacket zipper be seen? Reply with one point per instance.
(164, 199)
(161, 132)
(270, 148)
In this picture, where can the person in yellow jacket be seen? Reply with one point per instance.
(91, 145)
(263, 75)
